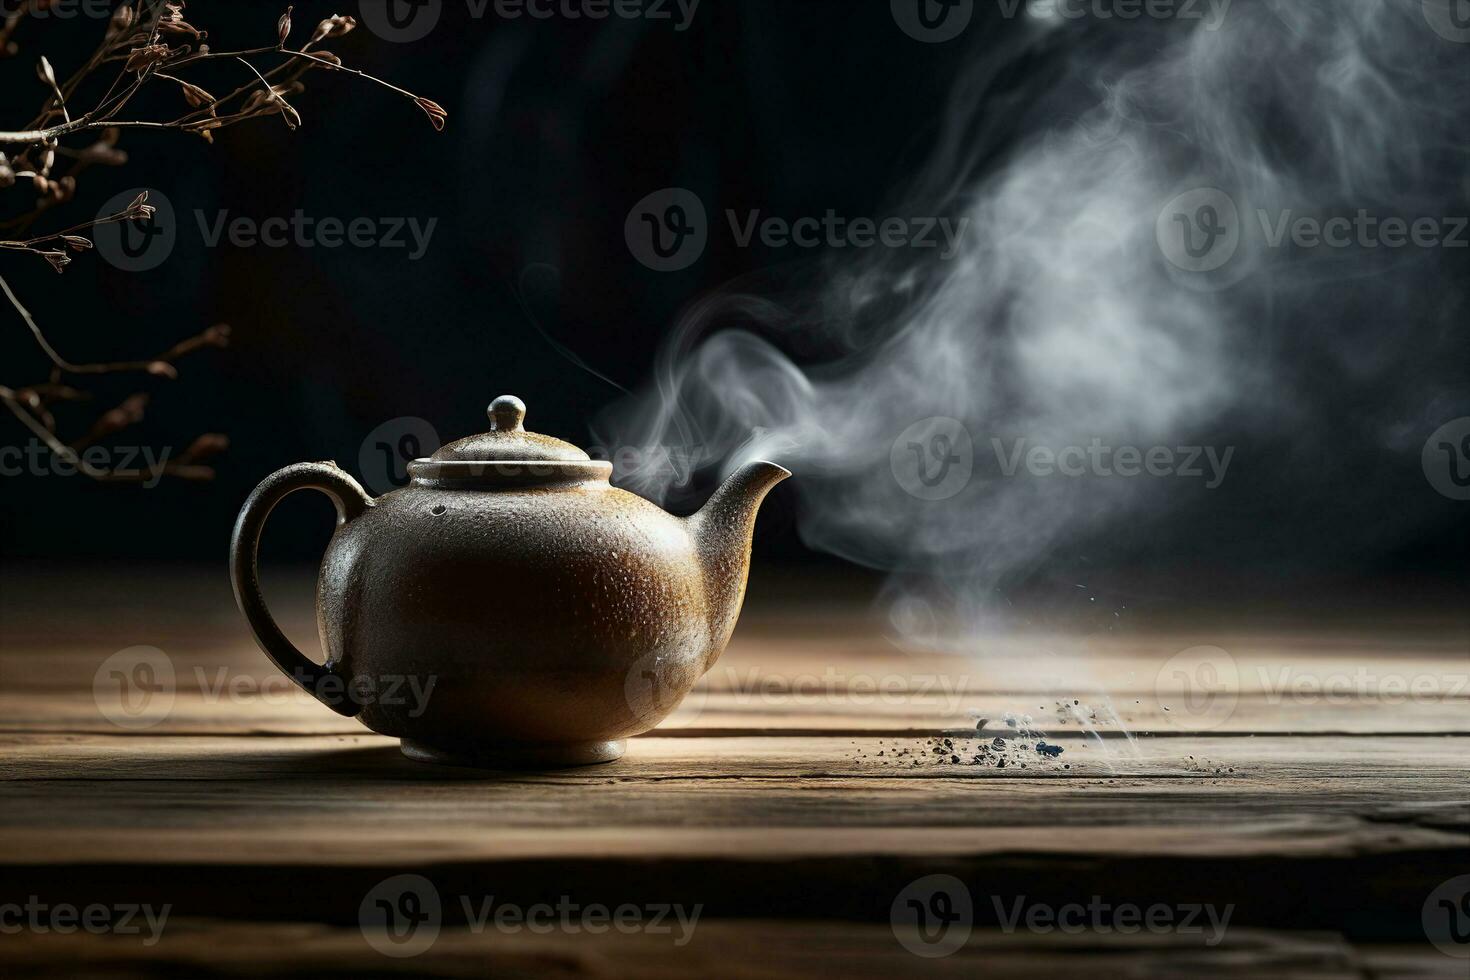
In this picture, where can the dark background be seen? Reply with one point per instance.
(556, 128)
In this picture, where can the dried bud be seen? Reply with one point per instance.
(140, 209)
(172, 22)
(58, 260)
(163, 369)
(204, 128)
(290, 115)
(104, 153)
(325, 56)
(283, 27)
(44, 71)
(207, 445)
(152, 54)
(334, 26)
(264, 102)
(122, 20)
(196, 96)
(77, 243)
(130, 412)
(217, 335)
(434, 111)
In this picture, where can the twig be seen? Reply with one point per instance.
(137, 39)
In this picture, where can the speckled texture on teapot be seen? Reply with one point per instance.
(552, 615)
(509, 607)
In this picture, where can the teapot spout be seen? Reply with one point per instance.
(722, 531)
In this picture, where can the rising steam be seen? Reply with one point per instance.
(1061, 322)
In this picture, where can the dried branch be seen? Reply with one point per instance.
(146, 40)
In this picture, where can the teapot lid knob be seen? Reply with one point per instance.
(507, 413)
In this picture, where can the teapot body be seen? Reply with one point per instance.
(515, 621)
(509, 608)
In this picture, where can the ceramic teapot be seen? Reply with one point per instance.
(509, 607)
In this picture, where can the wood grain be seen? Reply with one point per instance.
(1329, 799)
(754, 949)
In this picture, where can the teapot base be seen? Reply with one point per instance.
(512, 755)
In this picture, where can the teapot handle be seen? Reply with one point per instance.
(350, 500)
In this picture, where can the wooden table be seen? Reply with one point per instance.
(795, 800)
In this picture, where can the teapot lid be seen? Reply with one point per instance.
(508, 441)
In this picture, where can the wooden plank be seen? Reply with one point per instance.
(1292, 686)
(283, 711)
(656, 757)
(1331, 777)
(340, 824)
(756, 949)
